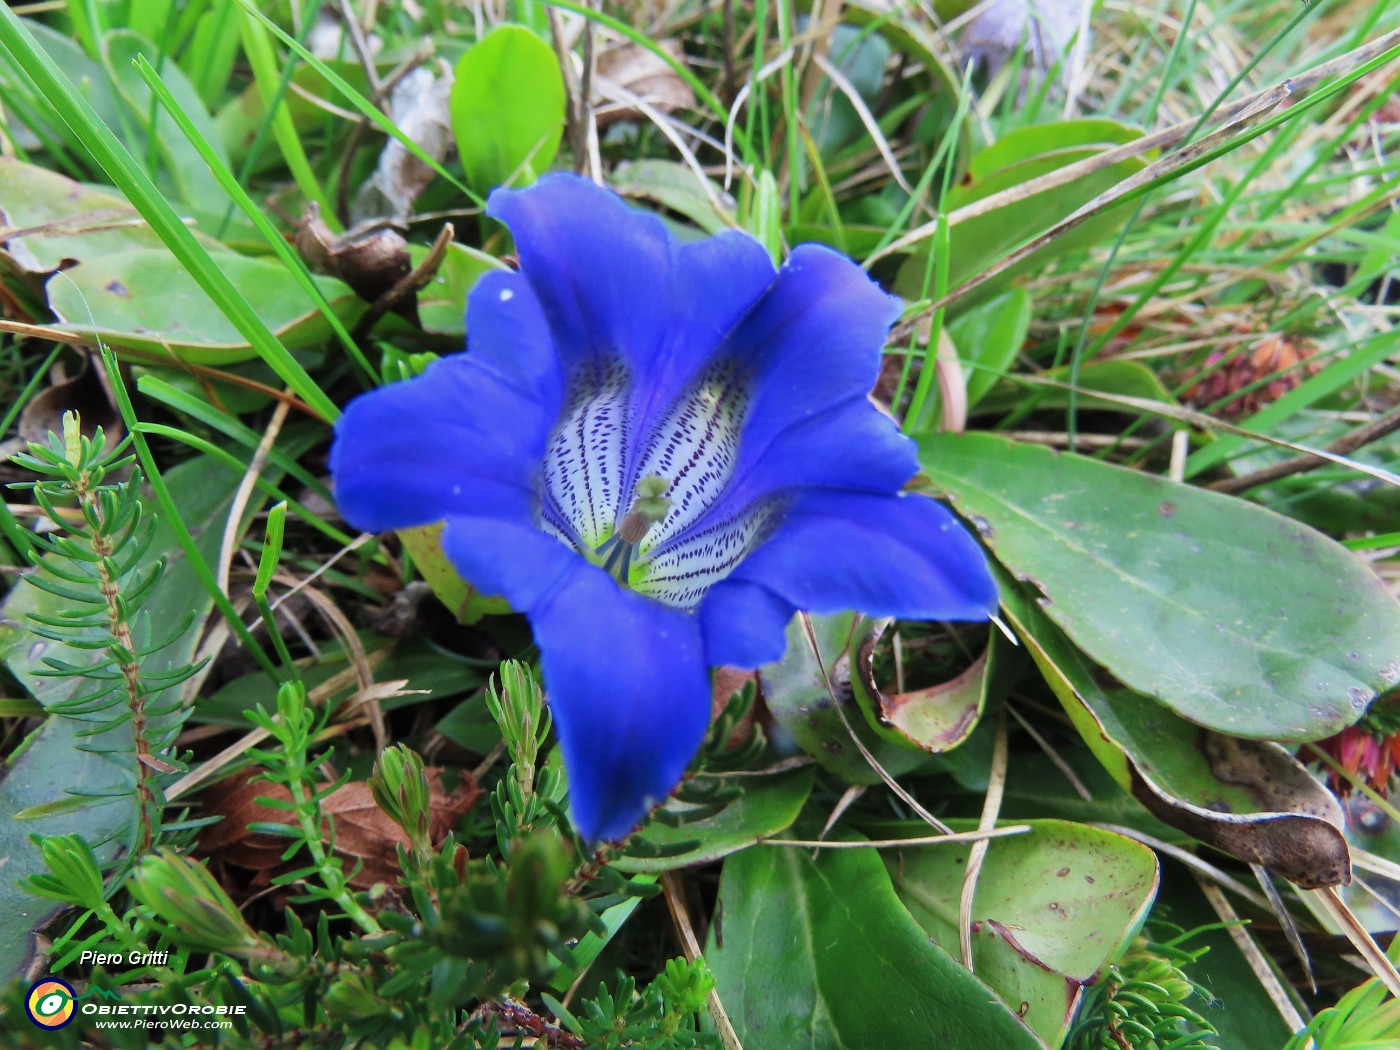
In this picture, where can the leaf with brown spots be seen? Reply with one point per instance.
(1052, 909)
(1250, 798)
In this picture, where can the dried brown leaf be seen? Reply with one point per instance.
(646, 75)
(371, 259)
(365, 836)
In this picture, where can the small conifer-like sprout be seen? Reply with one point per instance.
(96, 564)
(658, 453)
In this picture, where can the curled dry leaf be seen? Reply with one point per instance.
(644, 74)
(87, 394)
(366, 840)
(419, 106)
(371, 258)
(810, 697)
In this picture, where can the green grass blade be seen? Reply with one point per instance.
(128, 177)
(293, 262)
(258, 48)
(354, 97)
(176, 522)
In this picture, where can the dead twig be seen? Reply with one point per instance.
(1343, 446)
(991, 808)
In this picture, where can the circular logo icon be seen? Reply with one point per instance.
(50, 1003)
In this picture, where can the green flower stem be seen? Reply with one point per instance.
(308, 813)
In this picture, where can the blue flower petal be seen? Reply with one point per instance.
(614, 283)
(615, 352)
(814, 340)
(512, 559)
(904, 556)
(850, 446)
(411, 454)
(508, 336)
(744, 623)
(630, 691)
(715, 283)
(601, 270)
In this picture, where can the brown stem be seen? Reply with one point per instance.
(1343, 446)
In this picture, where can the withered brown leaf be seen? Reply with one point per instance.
(365, 838)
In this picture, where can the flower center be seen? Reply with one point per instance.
(651, 506)
(638, 488)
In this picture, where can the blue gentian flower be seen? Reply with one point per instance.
(657, 452)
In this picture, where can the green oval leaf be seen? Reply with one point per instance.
(144, 299)
(1250, 798)
(816, 954)
(507, 108)
(1052, 909)
(1236, 618)
(766, 807)
(65, 221)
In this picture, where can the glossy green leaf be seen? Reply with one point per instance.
(1250, 798)
(1052, 909)
(1179, 592)
(821, 954)
(144, 299)
(988, 337)
(808, 694)
(508, 107)
(209, 58)
(767, 806)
